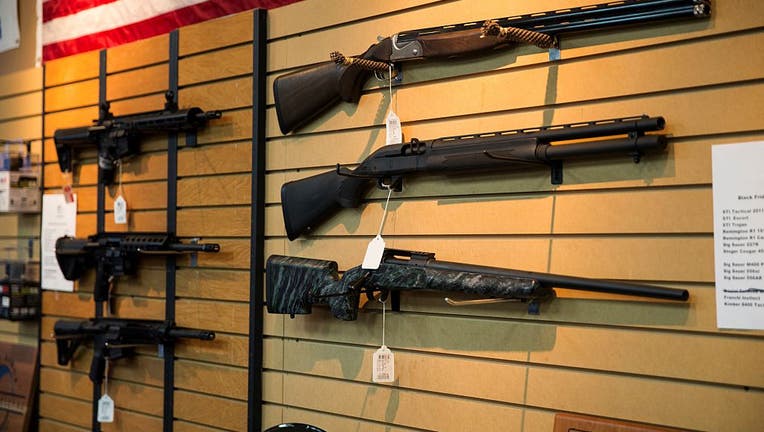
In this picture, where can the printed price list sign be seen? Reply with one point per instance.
(738, 188)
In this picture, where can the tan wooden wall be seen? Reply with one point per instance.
(495, 367)
(20, 118)
(478, 368)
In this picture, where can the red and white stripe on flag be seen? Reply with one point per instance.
(74, 26)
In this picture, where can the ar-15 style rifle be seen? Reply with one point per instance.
(116, 254)
(115, 338)
(294, 284)
(302, 95)
(117, 137)
(309, 201)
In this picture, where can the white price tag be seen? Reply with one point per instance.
(120, 210)
(374, 252)
(393, 129)
(383, 366)
(105, 409)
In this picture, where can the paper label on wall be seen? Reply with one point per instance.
(738, 191)
(59, 218)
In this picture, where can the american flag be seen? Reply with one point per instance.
(74, 26)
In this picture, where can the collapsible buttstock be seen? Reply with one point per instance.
(66, 140)
(308, 202)
(302, 95)
(72, 257)
(67, 334)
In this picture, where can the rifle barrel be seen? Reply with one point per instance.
(626, 145)
(192, 334)
(584, 18)
(195, 247)
(560, 281)
(574, 131)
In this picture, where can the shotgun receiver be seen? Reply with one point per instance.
(115, 338)
(116, 254)
(294, 284)
(309, 201)
(302, 95)
(119, 137)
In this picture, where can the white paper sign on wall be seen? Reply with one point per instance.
(738, 191)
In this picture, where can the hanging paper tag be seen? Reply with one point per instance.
(374, 251)
(105, 409)
(393, 128)
(120, 210)
(383, 366)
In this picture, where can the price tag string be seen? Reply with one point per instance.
(383, 361)
(390, 86)
(120, 192)
(376, 247)
(393, 132)
(120, 205)
(106, 377)
(384, 212)
(383, 320)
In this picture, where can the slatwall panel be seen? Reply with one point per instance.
(495, 367)
(213, 201)
(20, 118)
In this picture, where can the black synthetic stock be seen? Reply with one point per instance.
(308, 202)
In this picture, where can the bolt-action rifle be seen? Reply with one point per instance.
(115, 338)
(117, 137)
(116, 254)
(294, 284)
(302, 95)
(309, 201)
